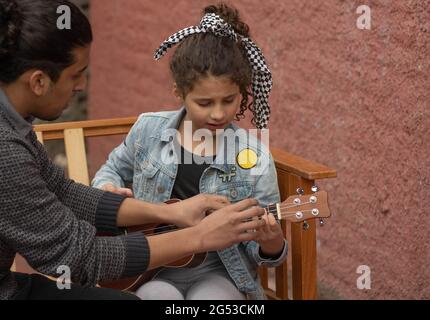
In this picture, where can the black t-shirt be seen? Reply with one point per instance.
(190, 170)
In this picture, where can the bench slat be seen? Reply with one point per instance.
(39, 136)
(76, 156)
(91, 128)
(302, 167)
(303, 249)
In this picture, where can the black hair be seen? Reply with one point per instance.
(30, 38)
(203, 54)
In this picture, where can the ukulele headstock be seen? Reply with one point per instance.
(303, 207)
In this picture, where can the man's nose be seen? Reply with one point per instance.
(82, 84)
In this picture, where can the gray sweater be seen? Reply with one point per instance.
(52, 221)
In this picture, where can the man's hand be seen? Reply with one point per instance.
(221, 229)
(270, 237)
(121, 191)
(190, 212)
(230, 225)
(187, 213)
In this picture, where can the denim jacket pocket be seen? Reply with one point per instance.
(149, 170)
(236, 191)
(145, 177)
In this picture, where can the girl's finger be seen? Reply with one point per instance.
(271, 220)
(126, 192)
(108, 187)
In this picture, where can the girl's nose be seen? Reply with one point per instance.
(217, 114)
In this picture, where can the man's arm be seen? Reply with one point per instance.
(221, 229)
(97, 207)
(185, 213)
(37, 225)
(47, 233)
(101, 208)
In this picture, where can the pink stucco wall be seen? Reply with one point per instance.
(355, 100)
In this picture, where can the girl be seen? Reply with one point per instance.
(213, 66)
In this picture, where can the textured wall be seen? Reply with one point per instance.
(355, 100)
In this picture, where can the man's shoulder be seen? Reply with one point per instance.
(7, 134)
(11, 141)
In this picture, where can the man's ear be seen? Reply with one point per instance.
(40, 83)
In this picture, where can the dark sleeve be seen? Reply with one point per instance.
(97, 207)
(36, 224)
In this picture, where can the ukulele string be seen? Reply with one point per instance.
(274, 212)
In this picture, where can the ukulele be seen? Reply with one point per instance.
(294, 209)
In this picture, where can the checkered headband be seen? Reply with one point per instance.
(261, 75)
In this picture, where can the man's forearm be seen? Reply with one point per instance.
(186, 242)
(219, 230)
(134, 212)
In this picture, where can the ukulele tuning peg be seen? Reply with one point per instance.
(300, 191)
(315, 188)
(305, 225)
(322, 222)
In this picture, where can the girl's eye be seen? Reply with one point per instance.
(203, 104)
(229, 101)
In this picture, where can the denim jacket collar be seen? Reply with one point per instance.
(171, 126)
(170, 131)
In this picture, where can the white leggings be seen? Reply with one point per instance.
(208, 287)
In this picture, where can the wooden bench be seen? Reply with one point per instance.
(293, 172)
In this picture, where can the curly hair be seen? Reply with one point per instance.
(203, 54)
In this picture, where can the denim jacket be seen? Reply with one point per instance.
(142, 161)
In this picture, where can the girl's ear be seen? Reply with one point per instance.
(39, 83)
(177, 92)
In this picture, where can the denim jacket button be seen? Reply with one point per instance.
(160, 189)
(233, 193)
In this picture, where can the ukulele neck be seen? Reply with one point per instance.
(275, 210)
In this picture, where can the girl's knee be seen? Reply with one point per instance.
(214, 287)
(159, 290)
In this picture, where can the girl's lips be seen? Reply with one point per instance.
(216, 126)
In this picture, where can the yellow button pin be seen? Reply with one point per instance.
(247, 159)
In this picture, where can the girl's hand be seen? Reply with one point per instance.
(121, 191)
(270, 237)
